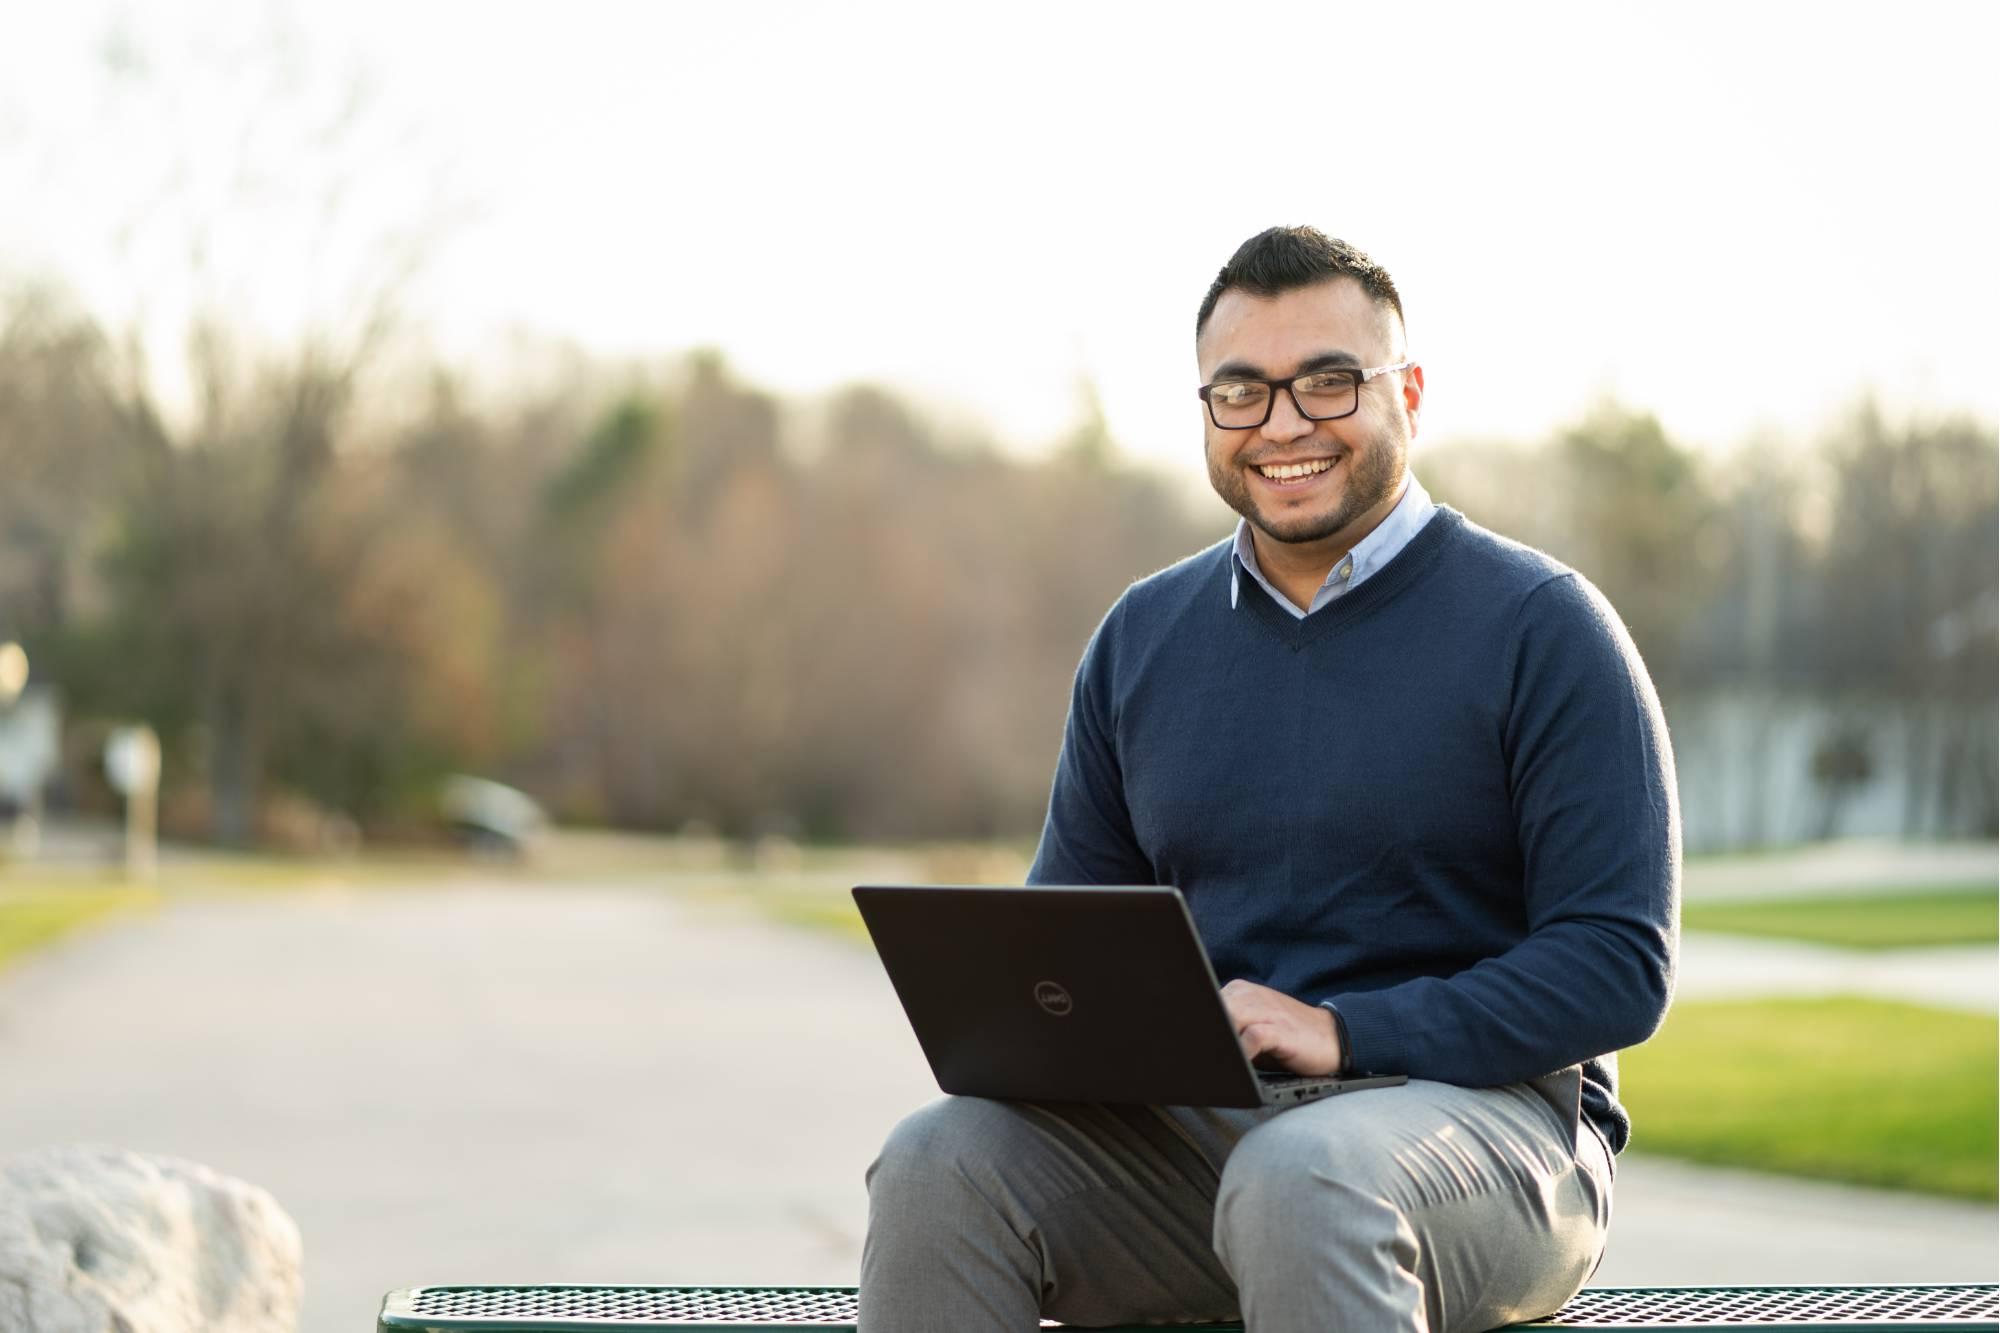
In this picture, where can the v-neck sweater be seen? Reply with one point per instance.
(1443, 804)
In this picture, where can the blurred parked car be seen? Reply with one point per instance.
(492, 818)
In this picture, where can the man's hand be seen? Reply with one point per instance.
(1297, 1036)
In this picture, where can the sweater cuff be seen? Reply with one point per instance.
(1369, 1034)
(1340, 1035)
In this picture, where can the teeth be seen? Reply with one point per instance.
(1286, 471)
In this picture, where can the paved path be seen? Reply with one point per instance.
(1853, 865)
(1725, 967)
(489, 1084)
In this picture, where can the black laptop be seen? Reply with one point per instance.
(1070, 995)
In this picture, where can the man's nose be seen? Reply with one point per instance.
(1286, 422)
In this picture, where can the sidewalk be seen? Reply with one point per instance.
(1677, 1224)
(1732, 967)
(1717, 967)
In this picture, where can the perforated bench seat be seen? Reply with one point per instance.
(591, 1309)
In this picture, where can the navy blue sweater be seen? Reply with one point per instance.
(1443, 804)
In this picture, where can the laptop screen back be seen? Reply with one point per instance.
(1059, 994)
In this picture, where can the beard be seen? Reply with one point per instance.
(1375, 470)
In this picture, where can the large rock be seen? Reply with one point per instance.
(99, 1240)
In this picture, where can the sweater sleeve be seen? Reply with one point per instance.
(1087, 837)
(1591, 781)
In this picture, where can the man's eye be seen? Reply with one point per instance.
(1238, 395)
(1328, 381)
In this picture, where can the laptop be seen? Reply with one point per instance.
(1070, 995)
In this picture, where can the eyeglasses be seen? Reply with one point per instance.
(1319, 395)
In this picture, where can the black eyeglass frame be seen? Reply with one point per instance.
(1289, 385)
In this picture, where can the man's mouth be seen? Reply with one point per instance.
(1294, 471)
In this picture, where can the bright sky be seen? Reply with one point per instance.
(1737, 215)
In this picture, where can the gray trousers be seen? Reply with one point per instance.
(1423, 1207)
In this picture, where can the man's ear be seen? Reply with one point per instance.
(1413, 396)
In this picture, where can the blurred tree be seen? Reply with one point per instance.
(247, 615)
(1640, 519)
(65, 458)
(580, 596)
(229, 574)
(1089, 445)
(1909, 598)
(632, 594)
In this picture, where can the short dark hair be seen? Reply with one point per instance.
(1281, 259)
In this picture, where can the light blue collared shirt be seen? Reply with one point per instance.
(1372, 552)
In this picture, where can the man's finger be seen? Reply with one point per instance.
(1257, 1038)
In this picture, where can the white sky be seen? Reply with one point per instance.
(1736, 215)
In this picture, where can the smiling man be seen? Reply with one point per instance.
(1309, 491)
(1414, 783)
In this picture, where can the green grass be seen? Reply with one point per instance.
(1963, 915)
(814, 908)
(813, 889)
(33, 918)
(1864, 1091)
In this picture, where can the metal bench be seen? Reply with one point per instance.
(1965, 1308)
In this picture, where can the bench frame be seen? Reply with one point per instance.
(586, 1308)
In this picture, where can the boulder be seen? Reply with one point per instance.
(100, 1240)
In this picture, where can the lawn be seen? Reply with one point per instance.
(1857, 1090)
(1964, 915)
(813, 906)
(32, 918)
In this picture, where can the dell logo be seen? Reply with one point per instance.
(1053, 998)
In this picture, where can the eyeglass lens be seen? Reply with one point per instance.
(1322, 395)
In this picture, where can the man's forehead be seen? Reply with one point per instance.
(1337, 315)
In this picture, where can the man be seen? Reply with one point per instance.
(1414, 783)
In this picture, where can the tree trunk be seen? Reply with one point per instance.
(235, 768)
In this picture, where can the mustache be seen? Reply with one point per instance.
(1277, 456)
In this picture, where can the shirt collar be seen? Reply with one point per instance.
(1370, 554)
